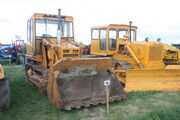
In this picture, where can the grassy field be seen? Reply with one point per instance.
(28, 104)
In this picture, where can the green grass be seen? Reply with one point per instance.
(5, 62)
(29, 104)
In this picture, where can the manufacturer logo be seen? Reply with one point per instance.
(157, 43)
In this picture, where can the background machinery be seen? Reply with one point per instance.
(86, 50)
(4, 90)
(18, 44)
(176, 45)
(20, 51)
(53, 65)
(171, 55)
(8, 52)
(12, 52)
(138, 65)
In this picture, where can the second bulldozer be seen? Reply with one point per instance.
(140, 66)
(54, 65)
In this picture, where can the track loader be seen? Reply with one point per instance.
(54, 65)
(5, 94)
(140, 66)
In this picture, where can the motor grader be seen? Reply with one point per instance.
(140, 66)
(54, 65)
(4, 90)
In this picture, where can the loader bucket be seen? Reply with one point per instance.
(80, 82)
(145, 80)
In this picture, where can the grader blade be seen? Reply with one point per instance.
(144, 80)
(80, 82)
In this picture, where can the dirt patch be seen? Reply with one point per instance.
(173, 93)
(137, 101)
(159, 95)
(97, 114)
(164, 94)
(163, 103)
(129, 110)
(96, 118)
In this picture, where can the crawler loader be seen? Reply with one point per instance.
(54, 65)
(140, 66)
(4, 90)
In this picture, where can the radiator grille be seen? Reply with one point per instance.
(75, 51)
(155, 53)
(66, 51)
(70, 55)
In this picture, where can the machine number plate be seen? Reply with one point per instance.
(107, 82)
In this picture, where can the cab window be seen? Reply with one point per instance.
(29, 31)
(133, 35)
(112, 39)
(94, 34)
(121, 33)
(103, 39)
(48, 28)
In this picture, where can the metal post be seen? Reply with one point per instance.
(107, 84)
(9, 59)
(107, 99)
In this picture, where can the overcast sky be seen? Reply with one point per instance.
(154, 18)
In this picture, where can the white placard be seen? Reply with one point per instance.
(107, 82)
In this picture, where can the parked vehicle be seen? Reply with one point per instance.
(8, 52)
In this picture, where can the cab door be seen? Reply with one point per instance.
(112, 39)
(103, 39)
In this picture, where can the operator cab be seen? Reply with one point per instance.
(41, 26)
(106, 40)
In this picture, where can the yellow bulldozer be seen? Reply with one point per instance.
(140, 66)
(54, 65)
(5, 93)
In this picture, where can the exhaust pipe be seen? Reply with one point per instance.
(130, 25)
(59, 27)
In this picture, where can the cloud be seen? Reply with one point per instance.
(4, 20)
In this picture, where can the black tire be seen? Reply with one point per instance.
(5, 94)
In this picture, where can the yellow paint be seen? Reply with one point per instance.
(172, 67)
(149, 54)
(143, 80)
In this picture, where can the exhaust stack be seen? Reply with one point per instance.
(59, 34)
(130, 25)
